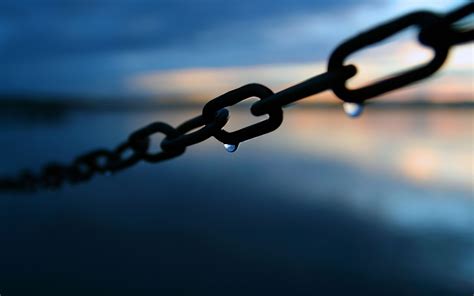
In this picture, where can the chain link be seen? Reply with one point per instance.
(436, 31)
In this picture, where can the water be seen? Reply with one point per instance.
(378, 205)
(231, 147)
(353, 109)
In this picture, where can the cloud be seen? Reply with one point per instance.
(202, 84)
(47, 28)
(92, 47)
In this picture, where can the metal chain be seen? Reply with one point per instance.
(436, 31)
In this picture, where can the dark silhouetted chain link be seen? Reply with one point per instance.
(439, 32)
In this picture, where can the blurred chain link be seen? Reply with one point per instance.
(436, 31)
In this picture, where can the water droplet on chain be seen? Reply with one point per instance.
(231, 147)
(353, 109)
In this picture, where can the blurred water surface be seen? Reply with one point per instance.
(325, 205)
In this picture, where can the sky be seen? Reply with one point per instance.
(199, 49)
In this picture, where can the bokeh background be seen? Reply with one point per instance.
(378, 205)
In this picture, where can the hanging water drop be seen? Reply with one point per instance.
(352, 109)
(231, 147)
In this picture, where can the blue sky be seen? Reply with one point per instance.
(96, 47)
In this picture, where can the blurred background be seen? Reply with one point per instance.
(378, 205)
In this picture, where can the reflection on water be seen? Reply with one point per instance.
(433, 147)
(382, 204)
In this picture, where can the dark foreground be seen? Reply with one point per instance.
(324, 206)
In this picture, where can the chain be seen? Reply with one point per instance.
(436, 31)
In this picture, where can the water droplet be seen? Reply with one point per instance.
(231, 147)
(353, 109)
